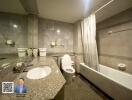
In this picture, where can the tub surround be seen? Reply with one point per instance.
(114, 40)
(113, 82)
(41, 89)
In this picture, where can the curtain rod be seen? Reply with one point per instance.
(104, 6)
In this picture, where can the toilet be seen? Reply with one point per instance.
(67, 65)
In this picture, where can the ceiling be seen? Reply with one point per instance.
(65, 10)
(112, 9)
(11, 6)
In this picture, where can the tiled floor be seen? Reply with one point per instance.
(80, 89)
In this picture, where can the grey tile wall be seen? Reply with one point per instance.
(114, 40)
(48, 33)
(19, 34)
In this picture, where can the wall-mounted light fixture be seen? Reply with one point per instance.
(10, 43)
(58, 31)
(110, 32)
(15, 26)
(56, 43)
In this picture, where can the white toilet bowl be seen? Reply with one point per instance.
(69, 70)
(67, 64)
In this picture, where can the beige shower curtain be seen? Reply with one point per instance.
(88, 27)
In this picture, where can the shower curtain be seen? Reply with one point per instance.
(88, 27)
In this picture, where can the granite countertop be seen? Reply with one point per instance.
(40, 89)
(8, 58)
(60, 54)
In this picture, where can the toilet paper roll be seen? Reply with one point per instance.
(122, 66)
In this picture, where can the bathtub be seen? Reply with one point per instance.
(116, 84)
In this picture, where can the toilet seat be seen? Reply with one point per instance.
(67, 64)
(69, 70)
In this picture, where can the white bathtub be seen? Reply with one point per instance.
(116, 84)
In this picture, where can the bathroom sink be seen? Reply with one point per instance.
(39, 72)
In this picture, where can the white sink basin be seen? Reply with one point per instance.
(39, 72)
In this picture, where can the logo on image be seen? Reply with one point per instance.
(19, 88)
